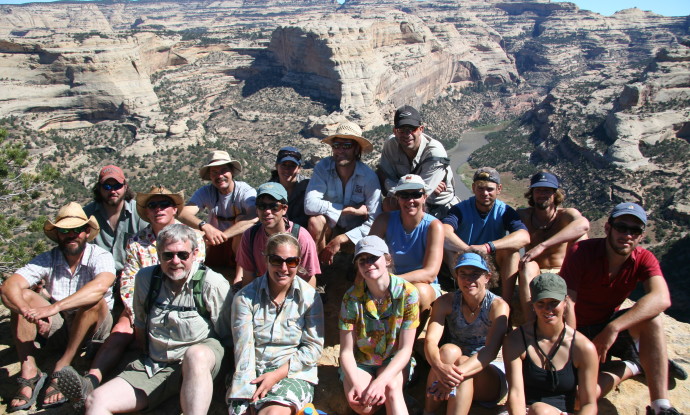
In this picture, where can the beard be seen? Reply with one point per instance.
(72, 250)
(620, 250)
(177, 274)
(115, 201)
(543, 205)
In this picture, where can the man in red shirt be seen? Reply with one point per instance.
(600, 274)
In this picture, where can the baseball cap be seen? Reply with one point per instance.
(410, 182)
(629, 208)
(289, 154)
(548, 285)
(111, 172)
(544, 179)
(371, 244)
(407, 115)
(471, 259)
(487, 173)
(273, 189)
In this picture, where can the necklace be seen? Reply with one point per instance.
(472, 312)
(279, 306)
(549, 223)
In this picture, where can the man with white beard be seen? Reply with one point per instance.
(181, 315)
(552, 229)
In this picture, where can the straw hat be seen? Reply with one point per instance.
(143, 200)
(71, 216)
(218, 158)
(350, 131)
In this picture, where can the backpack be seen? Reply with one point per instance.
(252, 235)
(197, 283)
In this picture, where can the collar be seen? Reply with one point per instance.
(396, 288)
(294, 290)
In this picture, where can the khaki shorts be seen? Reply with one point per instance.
(60, 324)
(168, 381)
(556, 270)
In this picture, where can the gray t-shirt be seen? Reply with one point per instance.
(223, 209)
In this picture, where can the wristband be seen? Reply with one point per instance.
(488, 248)
(492, 247)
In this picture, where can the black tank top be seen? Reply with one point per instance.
(556, 388)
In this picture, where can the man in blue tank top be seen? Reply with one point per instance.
(485, 224)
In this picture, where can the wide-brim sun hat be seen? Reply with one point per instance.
(143, 199)
(219, 158)
(71, 216)
(350, 131)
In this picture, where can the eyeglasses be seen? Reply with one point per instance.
(367, 260)
(78, 230)
(183, 255)
(108, 186)
(277, 260)
(410, 195)
(625, 229)
(287, 153)
(407, 129)
(274, 206)
(163, 204)
(344, 146)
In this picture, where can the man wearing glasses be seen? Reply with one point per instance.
(600, 274)
(180, 333)
(114, 208)
(271, 207)
(73, 305)
(343, 194)
(409, 151)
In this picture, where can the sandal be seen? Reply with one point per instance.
(35, 383)
(56, 390)
(75, 387)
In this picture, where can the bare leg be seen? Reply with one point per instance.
(114, 347)
(653, 356)
(85, 322)
(116, 396)
(365, 379)
(525, 276)
(395, 400)
(507, 261)
(319, 230)
(197, 382)
(448, 353)
(275, 409)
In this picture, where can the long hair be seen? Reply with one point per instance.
(98, 198)
(284, 238)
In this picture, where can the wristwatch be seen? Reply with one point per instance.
(201, 224)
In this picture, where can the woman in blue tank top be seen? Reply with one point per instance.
(549, 364)
(415, 240)
(464, 370)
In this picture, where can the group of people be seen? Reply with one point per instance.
(244, 279)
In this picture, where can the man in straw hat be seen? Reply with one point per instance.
(114, 208)
(230, 206)
(343, 194)
(159, 207)
(73, 306)
(410, 151)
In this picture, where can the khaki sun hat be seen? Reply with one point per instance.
(350, 131)
(218, 158)
(71, 216)
(143, 200)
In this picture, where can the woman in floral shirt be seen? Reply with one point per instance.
(377, 324)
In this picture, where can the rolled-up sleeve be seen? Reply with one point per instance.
(245, 358)
(372, 199)
(314, 201)
(311, 346)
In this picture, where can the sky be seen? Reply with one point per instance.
(605, 7)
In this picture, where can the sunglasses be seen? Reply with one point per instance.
(274, 206)
(410, 195)
(367, 260)
(286, 153)
(344, 146)
(163, 204)
(108, 186)
(78, 230)
(183, 255)
(277, 260)
(407, 129)
(625, 229)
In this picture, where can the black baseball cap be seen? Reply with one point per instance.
(407, 115)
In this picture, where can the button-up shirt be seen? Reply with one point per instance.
(426, 164)
(60, 282)
(141, 252)
(266, 337)
(115, 240)
(326, 196)
(171, 332)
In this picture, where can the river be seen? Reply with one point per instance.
(468, 142)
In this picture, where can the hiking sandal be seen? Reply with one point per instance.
(35, 383)
(56, 390)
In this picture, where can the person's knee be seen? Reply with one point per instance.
(198, 358)
(427, 295)
(394, 387)
(540, 408)
(450, 353)
(316, 223)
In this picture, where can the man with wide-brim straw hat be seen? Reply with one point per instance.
(77, 278)
(343, 195)
(230, 207)
(159, 207)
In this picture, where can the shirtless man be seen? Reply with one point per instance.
(552, 230)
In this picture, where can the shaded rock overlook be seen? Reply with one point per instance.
(153, 85)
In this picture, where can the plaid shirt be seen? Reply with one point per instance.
(60, 283)
(266, 340)
(141, 252)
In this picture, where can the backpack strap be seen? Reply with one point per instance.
(197, 283)
(252, 236)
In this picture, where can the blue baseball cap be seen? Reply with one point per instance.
(544, 179)
(472, 259)
(629, 208)
(273, 189)
(289, 154)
